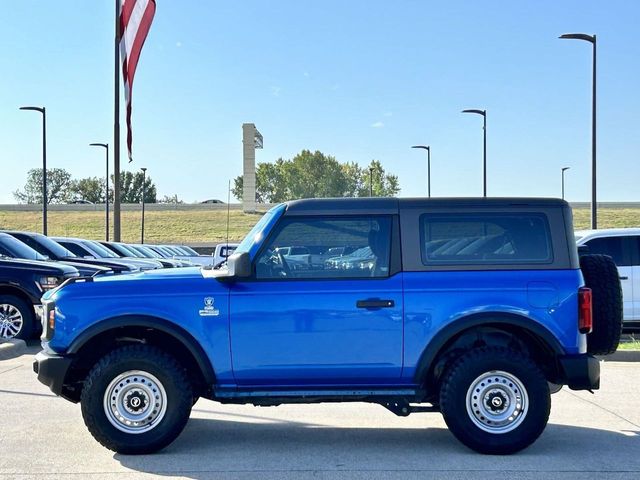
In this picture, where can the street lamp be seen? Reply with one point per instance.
(592, 40)
(106, 148)
(564, 169)
(371, 181)
(484, 155)
(428, 149)
(144, 191)
(44, 164)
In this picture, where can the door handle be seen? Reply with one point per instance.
(624, 278)
(375, 303)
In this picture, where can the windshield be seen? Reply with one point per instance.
(45, 246)
(134, 251)
(189, 251)
(19, 250)
(124, 250)
(99, 250)
(146, 252)
(150, 253)
(172, 249)
(255, 235)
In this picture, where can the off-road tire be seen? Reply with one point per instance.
(172, 376)
(29, 325)
(601, 276)
(457, 382)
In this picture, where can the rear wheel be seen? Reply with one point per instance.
(137, 399)
(495, 400)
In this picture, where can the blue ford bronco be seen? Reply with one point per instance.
(475, 308)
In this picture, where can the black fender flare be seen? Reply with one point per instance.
(452, 330)
(165, 326)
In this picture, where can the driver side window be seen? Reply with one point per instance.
(327, 247)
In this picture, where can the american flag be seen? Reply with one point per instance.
(135, 20)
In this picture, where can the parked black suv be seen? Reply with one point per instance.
(11, 247)
(22, 283)
(45, 246)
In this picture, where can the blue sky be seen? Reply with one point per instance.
(355, 79)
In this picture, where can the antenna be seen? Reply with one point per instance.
(226, 252)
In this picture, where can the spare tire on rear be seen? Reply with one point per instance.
(601, 276)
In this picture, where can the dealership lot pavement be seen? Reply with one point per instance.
(588, 436)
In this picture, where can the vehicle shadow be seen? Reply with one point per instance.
(284, 449)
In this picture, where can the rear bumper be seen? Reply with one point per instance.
(580, 372)
(52, 370)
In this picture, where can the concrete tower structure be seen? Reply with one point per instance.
(251, 140)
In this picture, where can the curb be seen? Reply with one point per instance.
(11, 348)
(622, 356)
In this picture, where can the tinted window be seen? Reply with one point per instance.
(316, 238)
(477, 239)
(44, 245)
(98, 250)
(76, 249)
(617, 248)
(17, 249)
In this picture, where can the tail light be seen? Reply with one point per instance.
(585, 310)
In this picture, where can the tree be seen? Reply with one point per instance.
(171, 199)
(315, 175)
(360, 179)
(58, 184)
(90, 188)
(131, 188)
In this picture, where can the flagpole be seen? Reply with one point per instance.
(116, 127)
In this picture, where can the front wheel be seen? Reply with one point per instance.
(17, 319)
(136, 399)
(495, 400)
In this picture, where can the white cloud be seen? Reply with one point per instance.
(377, 125)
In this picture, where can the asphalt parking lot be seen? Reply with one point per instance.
(588, 436)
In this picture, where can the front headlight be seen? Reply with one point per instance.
(48, 283)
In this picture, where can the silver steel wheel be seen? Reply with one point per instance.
(135, 402)
(497, 402)
(11, 321)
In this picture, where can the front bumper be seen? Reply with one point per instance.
(52, 370)
(580, 372)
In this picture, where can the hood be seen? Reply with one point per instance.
(86, 269)
(139, 263)
(159, 274)
(43, 266)
(116, 266)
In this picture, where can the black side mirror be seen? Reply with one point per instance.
(239, 265)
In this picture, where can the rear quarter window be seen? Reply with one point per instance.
(485, 239)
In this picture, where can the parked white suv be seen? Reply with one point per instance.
(623, 245)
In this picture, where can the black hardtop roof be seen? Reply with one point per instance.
(385, 205)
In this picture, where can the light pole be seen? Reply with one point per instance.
(106, 148)
(484, 148)
(564, 169)
(371, 181)
(592, 40)
(144, 191)
(44, 164)
(428, 149)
